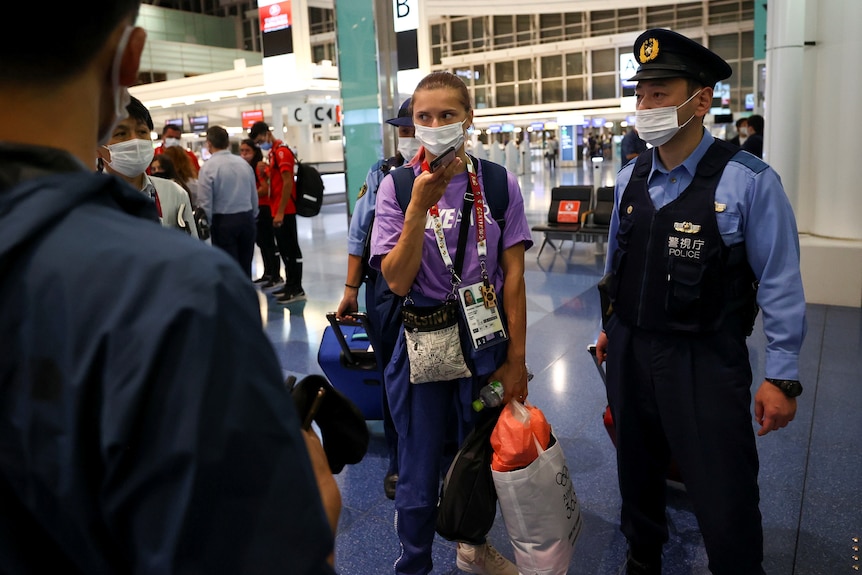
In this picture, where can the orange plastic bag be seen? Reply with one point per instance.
(512, 438)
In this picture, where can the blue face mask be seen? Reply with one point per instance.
(266, 146)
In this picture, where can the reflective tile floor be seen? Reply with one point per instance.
(811, 472)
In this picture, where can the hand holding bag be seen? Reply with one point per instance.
(541, 512)
(468, 501)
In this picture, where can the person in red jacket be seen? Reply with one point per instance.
(282, 202)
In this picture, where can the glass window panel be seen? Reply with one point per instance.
(436, 33)
(503, 25)
(604, 61)
(550, 34)
(460, 30)
(575, 89)
(725, 45)
(746, 74)
(480, 74)
(723, 11)
(552, 66)
(604, 86)
(747, 45)
(552, 92)
(574, 64)
(506, 95)
(659, 16)
(526, 93)
(504, 72)
(689, 15)
(524, 24)
(525, 69)
(574, 23)
(628, 20)
(478, 25)
(550, 21)
(602, 21)
(481, 98)
(460, 48)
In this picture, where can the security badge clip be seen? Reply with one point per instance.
(686, 227)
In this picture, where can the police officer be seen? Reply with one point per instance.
(381, 304)
(700, 232)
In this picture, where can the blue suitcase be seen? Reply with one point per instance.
(348, 360)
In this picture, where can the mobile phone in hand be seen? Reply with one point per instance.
(442, 160)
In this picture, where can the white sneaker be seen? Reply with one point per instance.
(483, 559)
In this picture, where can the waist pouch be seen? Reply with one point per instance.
(433, 342)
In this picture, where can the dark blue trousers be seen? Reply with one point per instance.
(382, 307)
(689, 395)
(234, 233)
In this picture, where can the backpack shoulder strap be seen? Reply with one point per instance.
(496, 181)
(403, 178)
(494, 176)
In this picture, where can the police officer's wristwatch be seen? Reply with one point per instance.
(790, 387)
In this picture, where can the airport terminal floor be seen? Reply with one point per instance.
(810, 472)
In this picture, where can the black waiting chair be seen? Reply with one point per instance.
(564, 215)
(596, 221)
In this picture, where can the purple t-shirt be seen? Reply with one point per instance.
(433, 279)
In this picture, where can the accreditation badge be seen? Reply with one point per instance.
(483, 321)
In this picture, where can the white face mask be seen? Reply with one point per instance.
(658, 125)
(408, 147)
(131, 158)
(170, 142)
(743, 132)
(438, 140)
(121, 93)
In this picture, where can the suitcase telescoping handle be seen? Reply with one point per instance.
(592, 349)
(359, 319)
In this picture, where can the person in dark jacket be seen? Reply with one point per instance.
(144, 426)
(754, 143)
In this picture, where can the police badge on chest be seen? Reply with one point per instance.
(682, 244)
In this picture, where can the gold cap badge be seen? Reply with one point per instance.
(648, 51)
(362, 191)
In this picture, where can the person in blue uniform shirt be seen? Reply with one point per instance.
(144, 426)
(381, 304)
(700, 235)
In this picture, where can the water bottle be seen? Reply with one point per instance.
(489, 396)
(492, 394)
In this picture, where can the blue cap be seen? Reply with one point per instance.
(404, 117)
(665, 54)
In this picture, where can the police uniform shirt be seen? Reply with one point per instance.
(751, 206)
(363, 211)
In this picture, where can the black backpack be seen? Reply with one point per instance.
(309, 189)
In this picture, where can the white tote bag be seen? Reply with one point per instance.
(541, 512)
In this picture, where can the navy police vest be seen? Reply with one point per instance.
(672, 271)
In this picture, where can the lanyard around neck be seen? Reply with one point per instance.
(471, 196)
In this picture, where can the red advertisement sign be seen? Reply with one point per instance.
(249, 117)
(276, 16)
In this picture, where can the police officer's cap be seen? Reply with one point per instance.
(404, 117)
(665, 54)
